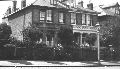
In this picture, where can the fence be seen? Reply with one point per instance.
(47, 54)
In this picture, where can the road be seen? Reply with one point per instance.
(113, 67)
(24, 64)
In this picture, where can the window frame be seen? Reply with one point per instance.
(88, 20)
(84, 19)
(62, 17)
(73, 18)
(42, 15)
(50, 16)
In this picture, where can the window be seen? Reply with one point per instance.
(73, 18)
(53, 2)
(91, 20)
(88, 19)
(42, 16)
(61, 17)
(49, 15)
(83, 19)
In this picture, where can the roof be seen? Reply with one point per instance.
(106, 11)
(82, 10)
(87, 10)
(59, 4)
(42, 3)
(110, 5)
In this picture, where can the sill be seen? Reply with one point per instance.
(73, 23)
(61, 23)
(49, 22)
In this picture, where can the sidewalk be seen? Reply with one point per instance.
(56, 63)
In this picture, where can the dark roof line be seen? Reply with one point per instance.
(46, 3)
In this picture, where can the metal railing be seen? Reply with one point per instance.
(86, 28)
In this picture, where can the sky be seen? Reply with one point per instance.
(5, 4)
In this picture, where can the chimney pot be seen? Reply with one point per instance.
(14, 5)
(80, 4)
(9, 10)
(90, 6)
(23, 3)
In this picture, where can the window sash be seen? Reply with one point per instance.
(42, 16)
(49, 15)
(88, 20)
(61, 17)
(73, 18)
(83, 19)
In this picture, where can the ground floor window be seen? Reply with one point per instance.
(49, 40)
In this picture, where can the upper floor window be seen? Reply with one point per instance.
(83, 19)
(49, 15)
(88, 19)
(61, 17)
(42, 16)
(73, 18)
(91, 20)
(52, 2)
(46, 16)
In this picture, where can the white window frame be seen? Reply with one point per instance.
(88, 19)
(42, 16)
(61, 17)
(83, 19)
(73, 18)
(49, 16)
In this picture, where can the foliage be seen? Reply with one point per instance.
(32, 34)
(65, 36)
(5, 32)
(90, 39)
(113, 38)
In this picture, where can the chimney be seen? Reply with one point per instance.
(80, 4)
(90, 6)
(14, 5)
(9, 10)
(23, 3)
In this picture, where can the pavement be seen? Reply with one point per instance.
(25, 63)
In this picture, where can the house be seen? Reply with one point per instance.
(49, 15)
(109, 17)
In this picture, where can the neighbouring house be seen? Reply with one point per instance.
(109, 18)
(49, 15)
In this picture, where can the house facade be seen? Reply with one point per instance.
(49, 16)
(109, 18)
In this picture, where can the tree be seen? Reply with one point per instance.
(65, 36)
(32, 33)
(90, 39)
(5, 32)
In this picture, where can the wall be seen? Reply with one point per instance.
(36, 15)
(19, 21)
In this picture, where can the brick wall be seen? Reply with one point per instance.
(18, 22)
(36, 15)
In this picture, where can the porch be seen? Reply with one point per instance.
(80, 32)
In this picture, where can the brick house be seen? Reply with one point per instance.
(50, 15)
(109, 17)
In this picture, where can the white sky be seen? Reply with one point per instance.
(5, 4)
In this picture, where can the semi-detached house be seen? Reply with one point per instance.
(51, 14)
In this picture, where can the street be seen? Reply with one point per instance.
(23, 64)
(60, 67)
